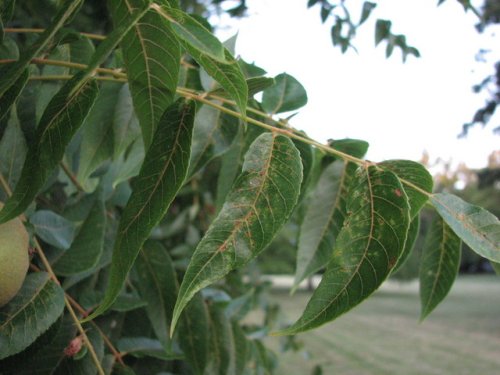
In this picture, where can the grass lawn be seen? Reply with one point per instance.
(382, 336)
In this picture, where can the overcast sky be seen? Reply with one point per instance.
(400, 109)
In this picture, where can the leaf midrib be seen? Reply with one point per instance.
(185, 110)
(466, 224)
(240, 222)
(65, 107)
(146, 63)
(440, 264)
(370, 238)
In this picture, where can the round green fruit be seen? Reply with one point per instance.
(14, 258)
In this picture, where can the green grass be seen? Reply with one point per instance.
(383, 336)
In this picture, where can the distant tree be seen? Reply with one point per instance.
(490, 15)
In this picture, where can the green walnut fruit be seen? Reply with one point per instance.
(14, 258)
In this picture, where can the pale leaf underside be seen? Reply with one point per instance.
(477, 227)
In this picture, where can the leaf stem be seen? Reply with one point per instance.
(39, 31)
(65, 77)
(53, 276)
(118, 356)
(71, 176)
(287, 132)
(202, 98)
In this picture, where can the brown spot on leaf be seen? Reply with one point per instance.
(398, 192)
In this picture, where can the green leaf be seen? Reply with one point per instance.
(322, 222)
(439, 265)
(9, 49)
(496, 267)
(81, 49)
(152, 57)
(7, 10)
(353, 147)
(213, 134)
(287, 94)
(87, 246)
(10, 74)
(382, 30)
(10, 96)
(367, 248)
(411, 239)
(416, 174)
(255, 85)
(260, 202)
(229, 169)
(60, 121)
(193, 33)
(222, 351)
(129, 164)
(194, 334)
(45, 354)
(258, 84)
(32, 311)
(157, 285)
(97, 138)
(162, 174)
(240, 347)
(326, 211)
(227, 74)
(477, 227)
(53, 228)
(140, 347)
(366, 11)
(13, 150)
(47, 89)
(126, 127)
(307, 157)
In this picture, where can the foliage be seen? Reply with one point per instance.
(491, 84)
(151, 178)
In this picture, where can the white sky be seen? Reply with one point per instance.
(400, 109)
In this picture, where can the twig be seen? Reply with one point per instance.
(71, 176)
(53, 276)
